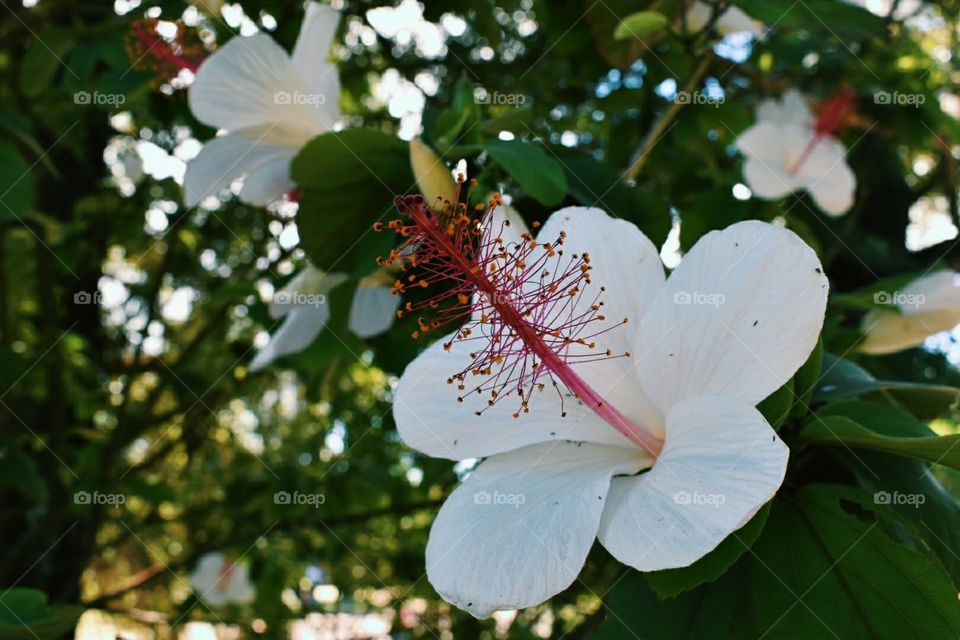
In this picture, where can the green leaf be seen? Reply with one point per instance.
(349, 181)
(537, 173)
(841, 430)
(837, 18)
(671, 582)
(805, 380)
(844, 379)
(26, 615)
(716, 611)
(594, 183)
(825, 569)
(356, 157)
(776, 407)
(45, 56)
(640, 24)
(17, 195)
(936, 518)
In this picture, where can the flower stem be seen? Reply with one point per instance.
(663, 122)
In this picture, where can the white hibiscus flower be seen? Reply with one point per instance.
(303, 302)
(788, 150)
(733, 20)
(670, 456)
(269, 103)
(926, 306)
(218, 580)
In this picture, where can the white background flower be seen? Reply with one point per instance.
(304, 305)
(733, 20)
(269, 103)
(218, 581)
(518, 530)
(783, 155)
(926, 306)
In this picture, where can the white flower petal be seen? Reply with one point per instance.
(373, 311)
(792, 108)
(310, 58)
(734, 20)
(300, 328)
(720, 463)
(828, 177)
(244, 153)
(737, 318)
(431, 420)
(628, 265)
(767, 180)
(239, 84)
(518, 530)
(927, 306)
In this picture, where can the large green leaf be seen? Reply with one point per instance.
(349, 181)
(843, 379)
(825, 569)
(537, 172)
(594, 183)
(841, 430)
(24, 614)
(16, 184)
(640, 24)
(671, 582)
(716, 611)
(838, 18)
(45, 56)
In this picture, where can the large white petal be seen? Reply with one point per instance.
(310, 58)
(518, 530)
(373, 311)
(299, 329)
(261, 155)
(628, 265)
(737, 318)
(720, 463)
(431, 420)
(242, 84)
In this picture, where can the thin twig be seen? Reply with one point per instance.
(663, 122)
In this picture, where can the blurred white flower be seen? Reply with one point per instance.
(304, 305)
(218, 580)
(733, 20)
(926, 306)
(269, 103)
(787, 150)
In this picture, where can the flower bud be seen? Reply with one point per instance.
(433, 177)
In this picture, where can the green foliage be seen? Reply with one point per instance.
(549, 102)
(26, 614)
